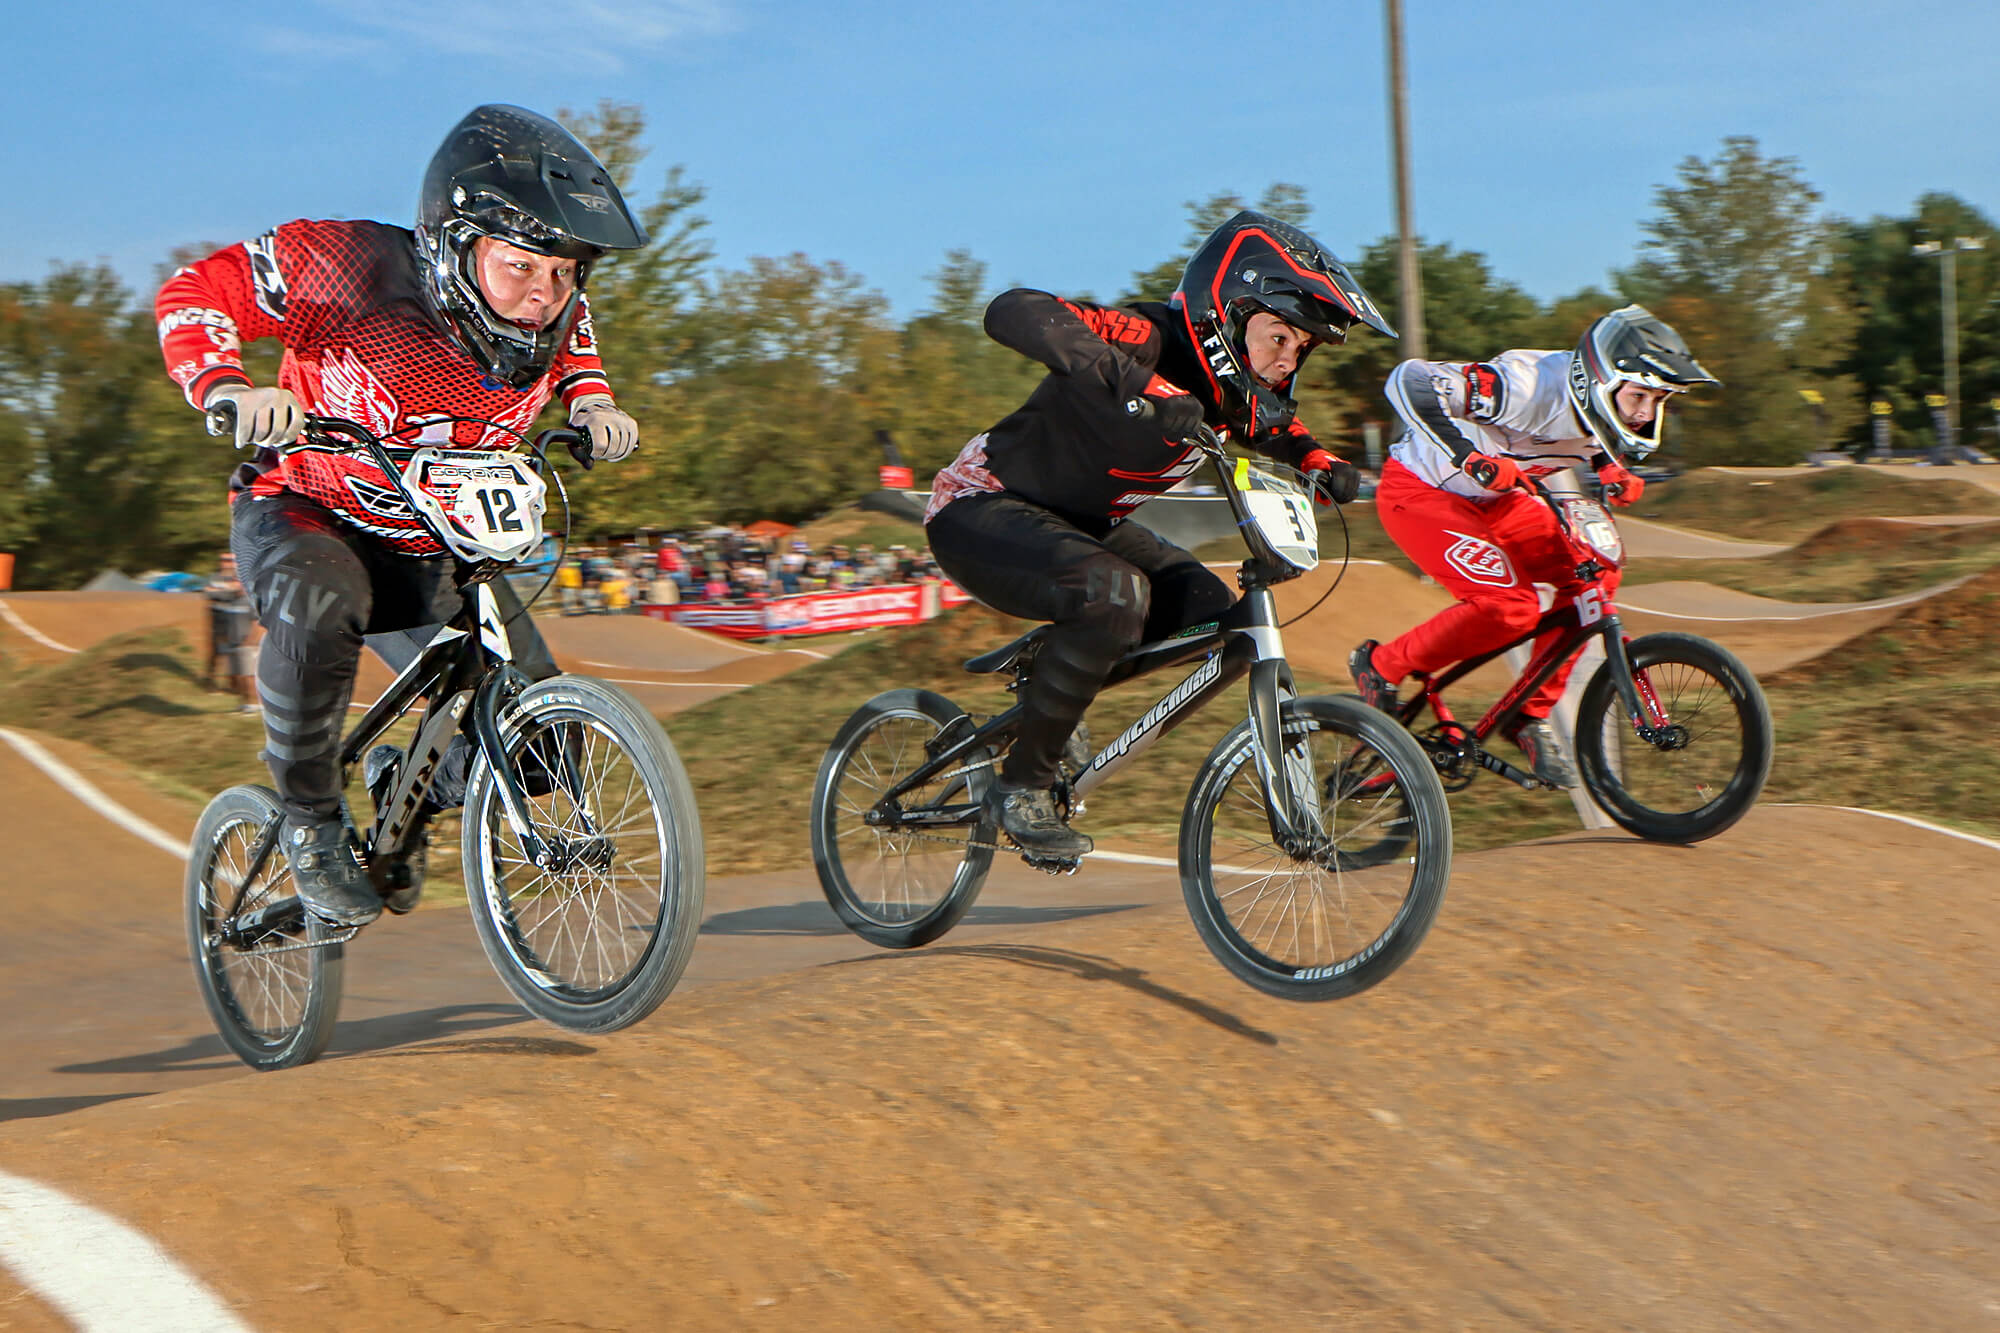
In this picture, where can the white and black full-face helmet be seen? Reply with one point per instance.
(518, 177)
(1631, 345)
(1254, 262)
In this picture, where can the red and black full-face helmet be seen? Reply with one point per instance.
(518, 177)
(1254, 262)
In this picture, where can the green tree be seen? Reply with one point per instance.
(1738, 259)
(1468, 313)
(1287, 203)
(952, 380)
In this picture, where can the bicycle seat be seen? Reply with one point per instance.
(1002, 658)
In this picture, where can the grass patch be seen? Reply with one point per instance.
(1787, 508)
(138, 697)
(1852, 560)
(851, 525)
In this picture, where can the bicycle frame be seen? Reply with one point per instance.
(1243, 640)
(1581, 613)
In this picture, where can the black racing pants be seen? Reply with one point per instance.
(1107, 589)
(320, 587)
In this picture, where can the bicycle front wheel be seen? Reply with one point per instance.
(1334, 917)
(1709, 767)
(899, 885)
(597, 934)
(268, 973)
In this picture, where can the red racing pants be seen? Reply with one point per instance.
(1489, 556)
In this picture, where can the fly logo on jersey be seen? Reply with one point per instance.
(383, 501)
(1479, 560)
(583, 338)
(349, 389)
(265, 278)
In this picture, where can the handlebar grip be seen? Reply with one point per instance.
(1483, 471)
(1139, 409)
(221, 419)
(580, 451)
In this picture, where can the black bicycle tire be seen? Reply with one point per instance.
(682, 864)
(1753, 766)
(308, 1039)
(833, 878)
(1430, 876)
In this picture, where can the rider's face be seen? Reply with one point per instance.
(1638, 406)
(522, 286)
(1275, 348)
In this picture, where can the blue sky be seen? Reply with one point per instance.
(1056, 141)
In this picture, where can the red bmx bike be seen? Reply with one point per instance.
(1673, 734)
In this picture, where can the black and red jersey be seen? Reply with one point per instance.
(343, 298)
(1072, 447)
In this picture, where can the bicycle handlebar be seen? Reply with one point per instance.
(221, 420)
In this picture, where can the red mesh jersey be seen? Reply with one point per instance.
(343, 298)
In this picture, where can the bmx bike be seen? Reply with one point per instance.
(1300, 883)
(1673, 734)
(581, 842)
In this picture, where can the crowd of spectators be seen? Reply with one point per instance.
(725, 566)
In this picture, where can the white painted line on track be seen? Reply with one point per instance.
(86, 791)
(101, 1274)
(7, 614)
(1911, 820)
(1844, 609)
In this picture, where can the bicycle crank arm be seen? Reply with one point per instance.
(246, 932)
(1526, 781)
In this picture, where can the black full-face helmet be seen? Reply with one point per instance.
(1631, 345)
(518, 177)
(1255, 262)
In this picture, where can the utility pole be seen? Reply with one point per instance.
(1947, 251)
(1410, 317)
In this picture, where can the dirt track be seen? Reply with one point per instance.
(1741, 1085)
(1738, 1085)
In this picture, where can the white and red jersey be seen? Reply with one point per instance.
(343, 298)
(1515, 405)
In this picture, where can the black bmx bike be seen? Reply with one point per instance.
(1673, 734)
(1315, 845)
(581, 844)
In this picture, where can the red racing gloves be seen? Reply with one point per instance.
(1621, 487)
(1335, 481)
(1496, 472)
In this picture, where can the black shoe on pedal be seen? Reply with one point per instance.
(1028, 816)
(1373, 687)
(328, 874)
(1546, 760)
(378, 773)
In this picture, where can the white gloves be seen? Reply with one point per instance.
(263, 416)
(613, 434)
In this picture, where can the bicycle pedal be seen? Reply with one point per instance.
(1053, 865)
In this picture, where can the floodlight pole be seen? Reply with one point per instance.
(1409, 277)
(1948, 279)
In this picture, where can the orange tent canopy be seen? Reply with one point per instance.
(769, 528)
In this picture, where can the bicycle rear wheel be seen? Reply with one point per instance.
(268, 972)
(898, 886)
(594, 939)
(1338, 917)
(1709, 769)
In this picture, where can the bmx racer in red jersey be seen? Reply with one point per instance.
(478, 313)
(1449, 493)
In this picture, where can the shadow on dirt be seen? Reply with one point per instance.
(1089, 967)
(814, 917)
(34, 1108)
(365, 1035)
